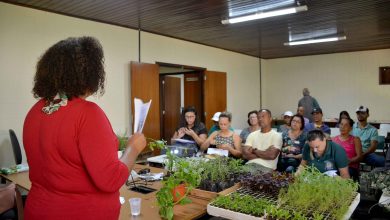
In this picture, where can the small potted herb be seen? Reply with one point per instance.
(178, 184)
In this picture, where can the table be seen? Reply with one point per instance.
(149, 208)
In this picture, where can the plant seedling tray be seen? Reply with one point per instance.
(226, 213)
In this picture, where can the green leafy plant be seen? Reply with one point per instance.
(181, 172)
(122, 139)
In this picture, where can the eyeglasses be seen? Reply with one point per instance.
(296, 121)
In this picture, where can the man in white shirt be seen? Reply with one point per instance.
(262, 147)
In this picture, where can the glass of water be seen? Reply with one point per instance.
(135, 206)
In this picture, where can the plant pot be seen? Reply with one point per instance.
(179, 192)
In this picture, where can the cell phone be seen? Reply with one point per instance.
(144, 171)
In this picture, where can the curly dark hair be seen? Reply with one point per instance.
(73, 67)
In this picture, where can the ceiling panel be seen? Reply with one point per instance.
(366, 23)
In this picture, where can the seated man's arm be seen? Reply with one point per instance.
(247, 152)
(344, 173)
(270, 154)
(301, 167)
(373, 142)
(372, 148)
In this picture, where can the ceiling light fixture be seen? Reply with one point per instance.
(315, 40)
(267, 14)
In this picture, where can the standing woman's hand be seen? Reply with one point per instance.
(137, 142)
(135, 145)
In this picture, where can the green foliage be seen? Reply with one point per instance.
(182, 174)
(314, 192)
(243, 203)
(377, 179)
(258, 207)
(122, 139)
(217, 171)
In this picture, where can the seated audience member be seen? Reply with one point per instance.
(293, 141)
(301, 111)
(326, 156)
(262, 147)
(215, 126)
(318, 123)
(368, 135)
(287, 118)
(343, 114)
(190, 127)
(224, 138)
(351, 145)
(253, 123)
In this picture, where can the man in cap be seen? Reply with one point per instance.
(287, 118)
(318, 123)
(368, 135)
(308, 103)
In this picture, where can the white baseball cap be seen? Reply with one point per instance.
(288, 113)
(216, 116)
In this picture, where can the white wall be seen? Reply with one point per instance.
(26, 33)
(341, 81)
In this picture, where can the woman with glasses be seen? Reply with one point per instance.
(293, 141)
(253, 123)
(190, 128)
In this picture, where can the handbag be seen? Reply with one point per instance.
(7, 197)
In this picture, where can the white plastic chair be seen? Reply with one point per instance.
(334, 132)
(383, 129)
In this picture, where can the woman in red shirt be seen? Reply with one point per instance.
(70, 145)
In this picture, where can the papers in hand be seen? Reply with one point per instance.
(218, 151)
(184, 141)
(140, 112)
(331, 173)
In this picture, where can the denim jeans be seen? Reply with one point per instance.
(374, 160)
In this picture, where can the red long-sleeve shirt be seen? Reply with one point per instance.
(74, 168)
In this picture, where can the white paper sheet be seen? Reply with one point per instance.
(140, 113)
(218, 151)
(184, 141)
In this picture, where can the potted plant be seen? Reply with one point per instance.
(176, 187)
(178, 184)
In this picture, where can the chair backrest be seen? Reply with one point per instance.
(237, 131)
(15, 146)
(334, 132)
(384, 129)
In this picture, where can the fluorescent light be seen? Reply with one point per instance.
(314, 41)
(265, 14)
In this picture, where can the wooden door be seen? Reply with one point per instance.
(214, 90)
(193, 92)
(144, 83)
(171, 103)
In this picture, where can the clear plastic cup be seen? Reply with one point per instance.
(135, 206)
